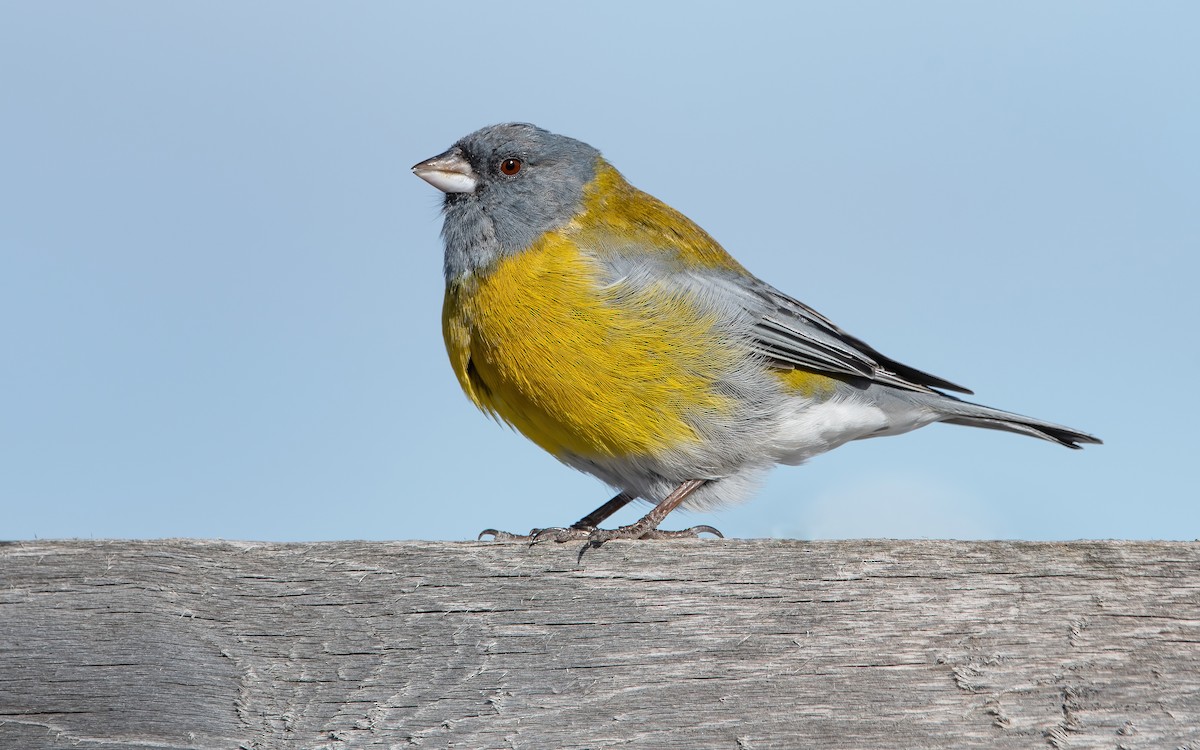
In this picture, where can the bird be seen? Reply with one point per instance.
(620, 337)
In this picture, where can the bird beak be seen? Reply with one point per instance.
(448, 172)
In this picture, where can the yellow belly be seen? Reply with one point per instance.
(582, 369)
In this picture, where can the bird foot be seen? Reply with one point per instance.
(505, 536)
(596, 536)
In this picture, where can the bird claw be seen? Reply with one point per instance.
(631, 532)
(594, 536)
(690, 533)
(560, 534)
(535, 536)
(504, 536)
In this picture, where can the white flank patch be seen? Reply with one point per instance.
(814, 428)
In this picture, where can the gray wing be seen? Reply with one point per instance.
(795, 335)
(789, 333)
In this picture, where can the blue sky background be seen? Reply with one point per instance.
(220, 286)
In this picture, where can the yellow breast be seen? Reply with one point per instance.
(581, 368)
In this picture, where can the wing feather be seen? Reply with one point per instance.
(784, 330)
(794, 334)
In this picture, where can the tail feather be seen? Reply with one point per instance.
(976, 415)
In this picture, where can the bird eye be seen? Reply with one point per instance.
(510, 166)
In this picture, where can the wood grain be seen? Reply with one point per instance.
(734, 644)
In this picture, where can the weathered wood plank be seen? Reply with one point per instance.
(712, 644)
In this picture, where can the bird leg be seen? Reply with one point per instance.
(647, 526)
(593, 519)
(587, 523)
(644, 528)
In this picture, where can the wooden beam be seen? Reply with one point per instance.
(699, 644)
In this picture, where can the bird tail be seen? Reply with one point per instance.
(977, 415)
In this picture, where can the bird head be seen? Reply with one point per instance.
(505, 186)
